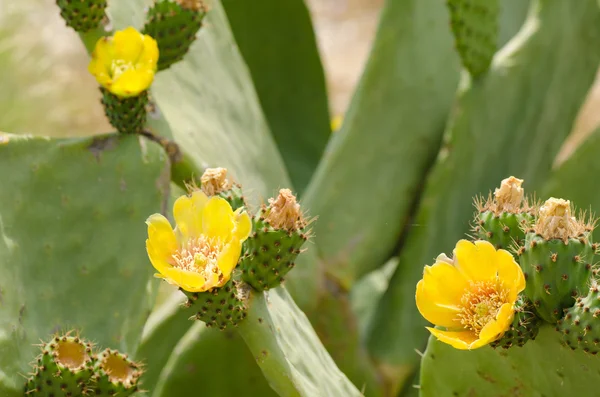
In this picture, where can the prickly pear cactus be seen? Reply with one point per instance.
(214, 181)
(127, 115)
(279, 233)
(221, 307)
(82, 15)
(64, 368)
(580, 327)
(557, 259)
(503, 219)
(475, 27)
(115, 375)
(174, 24)
(524, 327)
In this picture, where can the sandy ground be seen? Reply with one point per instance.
(345, 29)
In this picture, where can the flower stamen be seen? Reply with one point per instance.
(481, 303)
(199, 255)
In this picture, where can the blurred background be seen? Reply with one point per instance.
(43, 63)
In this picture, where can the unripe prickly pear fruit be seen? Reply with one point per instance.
(580, 326)
(115, 375)
(127, 115)
(503, 218)
(174, 24)
(474, 24)
(64, 368)
(221, 307)
(557, 259)
(82, 15)
(279, 232)
(525, 326)
(214, 182)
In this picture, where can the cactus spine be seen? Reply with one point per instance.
(174, 24)
(64, 368)
(279, 233)
(502, 219)
(557, 259)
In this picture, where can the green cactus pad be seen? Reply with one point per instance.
(504, 230)
(542, 368)
(580, 326)
(269, 253)
(221, 307)
(474, 24)
(64, 368)
(127, 115)
(234, 196)
(115, 375)
(525, 326)
(82, 15)
(174, 26)
(556, 272)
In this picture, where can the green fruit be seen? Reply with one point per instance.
(127, 115)
(556, 272)
(525, 326)
(504, 230)
(115, 375)
(580, 327)
(270, 252)
(474, 24)
(220, 307)
(174, 24)
(64, 368)
(82, 15)
(214, 182)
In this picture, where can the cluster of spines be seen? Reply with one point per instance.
(115, 374)
(525, 326)
(82, 15)
(503, 218)
(279, 232)
(220, 307)
(580, 327)
(127, 115)
(174, 24)
(557, 259)
(68, 367)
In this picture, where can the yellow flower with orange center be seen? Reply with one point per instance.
(204, 248)
(472, 296)
(125, 63)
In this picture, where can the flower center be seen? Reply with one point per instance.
(481, 303)
(118, 67)
(199, 255)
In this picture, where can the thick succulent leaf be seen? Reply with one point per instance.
(540, 368)
(278, 43)
(512, 122)
(72, 238)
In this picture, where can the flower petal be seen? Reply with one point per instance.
(229, 257)
(149, 55)
(187, 217)
(189, 281)
(446, 316)
(161, 237)
(444, 283)
(128, 44)
(463, 340)
(158, 260)
(132, 82)
(476, 260)
(510, 272)
(495, 328)
(218, 219)
(243, 225)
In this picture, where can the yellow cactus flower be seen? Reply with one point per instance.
(204, 248)
(472, 296)
(125, 63)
